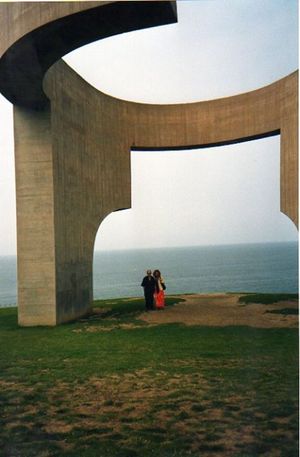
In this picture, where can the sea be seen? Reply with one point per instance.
(263, 267)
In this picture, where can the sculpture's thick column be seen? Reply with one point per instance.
(35, 217)
(91, 178)
(71, 172)
(69, 176)
(55, 246)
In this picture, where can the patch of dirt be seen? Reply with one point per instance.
(220, 310)
(120, 326)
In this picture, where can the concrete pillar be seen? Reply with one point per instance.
(35, 217)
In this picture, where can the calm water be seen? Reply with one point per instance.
(270, 267)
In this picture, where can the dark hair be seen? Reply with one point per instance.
(156, 273)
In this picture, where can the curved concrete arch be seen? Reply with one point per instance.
(73, 158)
(34, 35)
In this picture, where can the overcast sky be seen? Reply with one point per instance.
(209, 196)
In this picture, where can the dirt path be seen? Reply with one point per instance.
(222, 310)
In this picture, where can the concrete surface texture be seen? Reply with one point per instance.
(72, 145)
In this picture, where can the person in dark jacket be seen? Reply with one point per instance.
(148, 284)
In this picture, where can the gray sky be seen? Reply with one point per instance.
(214, 196)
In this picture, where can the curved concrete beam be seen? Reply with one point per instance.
(271, 110)
(73, 162)
(34, 35)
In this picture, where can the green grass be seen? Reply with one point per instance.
(267, 299)
(113, 386)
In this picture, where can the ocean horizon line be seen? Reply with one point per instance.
(146, 248)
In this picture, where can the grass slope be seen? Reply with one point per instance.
(113, 386)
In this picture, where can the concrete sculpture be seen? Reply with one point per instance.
(72, 143)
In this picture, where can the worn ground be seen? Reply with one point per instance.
(221, 310)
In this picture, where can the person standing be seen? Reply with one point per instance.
(148, 284)
(159, 295)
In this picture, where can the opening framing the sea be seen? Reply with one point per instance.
(263, 267)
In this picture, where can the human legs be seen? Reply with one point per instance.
(149, 300)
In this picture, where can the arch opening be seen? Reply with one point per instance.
(206, 206)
